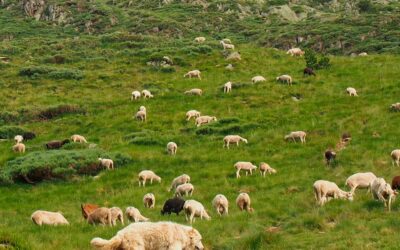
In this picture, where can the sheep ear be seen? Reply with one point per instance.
(192, 233)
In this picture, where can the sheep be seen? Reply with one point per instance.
(396, 183)
(229, 67)
(247, 166)
(227, 45)
(244, 203)
(324, 190)
(184, 189)
(142, 108)
(18, 139)
(395, 154)
(172, 148)
(174, 205)
(227, 87)
(346, 137)
(56, 144)
(28, 136)
(285, 78)
(351, 91)
(19, 148)
(141, 115)
(149, 200)
(395, 106)
(257, 79)
(297, 134)
(116, 214)
(148, 175)
(193, 209)
(88, 209)
(360, 180)
(194, 92)
(309, 71)
(135, 95)
(200, 39)
(363, 54)
(41, 217)
(192, 113)
(233, 139)
(147, 94)
(383, 191)
(182, 179)
(295, 52)
(101, 215)
(227, 40)
(107, 163)
(235, 56)
(205, 120)
(133, 214)
(221, 204)
(330, 156)
(193, 73)
(266, 168)
(78, 138)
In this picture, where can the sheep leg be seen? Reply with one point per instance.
(246, 172)
(238, 174)
(397, 162)
(237, 144)
(151, 181)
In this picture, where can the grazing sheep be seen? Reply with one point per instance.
(149, 200)
(330, 156)
(396, 183)
(106, 163)
(18, 139)
(133, 214)
(148, 175)
(193, 209)
(395, 157)
(257, 79)
(101, 215)
(41, 217)
(135, 95)
(192, 113)
(194, 92)
(184, 189)
(360, 180)
(266, 168)
(141, 115)
(227, 87)
(172, 148)
(285, 78)
(204, 120)
(78, 138)
(227, 45)
(325, 190)
(233, 139)
(351, 91)
(363, 54)
(182, 179)
(28, 136)
(235, 56)
(147, 94)
(297, 135)
(244, 203)
(295, 52)
(174, 205)
(56, 144)
(346, 137)
(227, 40)
(383, 191)
(395, 106)
(142, 108)
(246, 166)
(152, 236)
(193, 73)
(116, 214)
(309, 71)
(88, 209)
(221, 204)
(200, 39)
(19, 148)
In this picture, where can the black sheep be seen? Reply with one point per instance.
(309, 71)
(330, 156)
(56, 144)
(174, 205)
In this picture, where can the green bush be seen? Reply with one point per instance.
(312, 60)
(54, 73)
(8, 132)
(59, 110)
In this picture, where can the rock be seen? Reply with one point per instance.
(34, 8)
(229, 67)
(285, 12)
(234, 56)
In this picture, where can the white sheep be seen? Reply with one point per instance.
(233, 139)
(135, 95)
(383, 191)
(285, 78)
(148, 175)
(142, 108)
(147, 94)
(133, 214)
(101, 215)
(78, 138)
(363, 54)
(19, 148)
(107, 163)
(41, 217)
(18, 139)
(243, 201)
(194, 92)
(295, 52)
(325, 190)
(116, 214)
(244, 165)
(257, 79)
(193, 73)
(297, 135)
(395, 106)
(227, 45)
(351, 91)
(149, 200)
(395, 154)
(227, 40)
(193, 209)
(192, 113)
(204, 120)
(182, 179)
(266, 168)
(200, 39)
(221, 204)
(141, 115)
(227, 87)
(360, 180)
(172, 147)
(184, 189)
(229, 67)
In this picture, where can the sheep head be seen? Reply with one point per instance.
(245, 140)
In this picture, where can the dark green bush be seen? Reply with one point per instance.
(54, 73)
(59, 110)
(366, 6)
(7, 117)
(8, 132)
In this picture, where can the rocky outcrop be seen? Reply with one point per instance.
(34, 8)
(40, 10)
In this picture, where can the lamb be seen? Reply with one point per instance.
(133, 214)
(325, 190)
(194, 92)
(78, 138)
(285, 78)
(221, 204)
(266, 168)
(141, 115)
(244, 203)
(135, 95)
(184, 189)
(142, 108)
(295, 52)
(297, 135)
(193, 209)
(174, 205)
(172, 148)
(200, 39)
(147, 94)
(227, 45)
(101, 215)
(257, 79)
(205, 120)
(149, 200)
(351, 91)
(19, 148)
(41, 217)
(106, 163)
(247, 166)
(227, 87)
(395, 154)
(192, 113)
(116, 214)
(193, 73)
(152, 236)
(382, 191)
(148, 175)
(309, 71)
(330, 156)
(18, 139)
(360, 180)
(56, 144)
(182, 179)
(233, 139)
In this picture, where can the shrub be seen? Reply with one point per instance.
(312, 60)
(59, 110)
(7, 117)
(8, 132)
(366, 6)
(54, 73)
